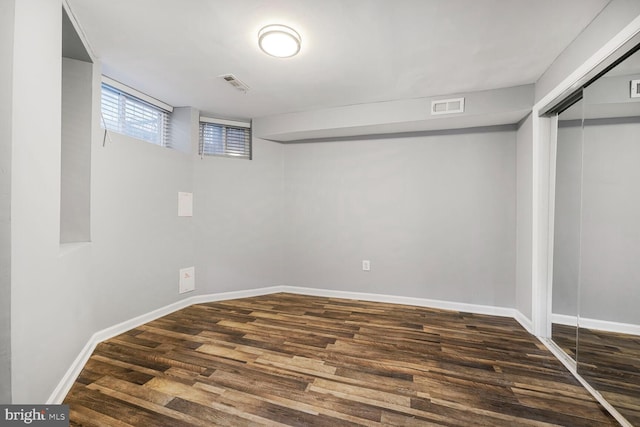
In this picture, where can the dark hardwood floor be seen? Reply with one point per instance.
(293, 360)
(610, 362)
(565, 337)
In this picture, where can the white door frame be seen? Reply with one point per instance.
(544, 151)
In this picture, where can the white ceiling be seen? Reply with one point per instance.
(353, 52)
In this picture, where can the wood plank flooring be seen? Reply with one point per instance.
(610, 362)
(293, 360)
(565, 337)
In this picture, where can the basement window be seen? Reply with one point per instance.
(225, 138)
(132, 113)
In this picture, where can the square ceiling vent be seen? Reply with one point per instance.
(235, 82)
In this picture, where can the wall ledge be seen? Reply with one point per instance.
(494, 107)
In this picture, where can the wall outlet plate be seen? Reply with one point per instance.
(366, 265)
(187, 281)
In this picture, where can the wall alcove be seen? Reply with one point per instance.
(75, 176)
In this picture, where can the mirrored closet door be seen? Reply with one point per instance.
(568, 208)
(596, 264)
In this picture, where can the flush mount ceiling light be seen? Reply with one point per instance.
(279, 41)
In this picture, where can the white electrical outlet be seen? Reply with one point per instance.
(366, 265)
(187, 281)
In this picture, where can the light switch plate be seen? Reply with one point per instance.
(185, 204)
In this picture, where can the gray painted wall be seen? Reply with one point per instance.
(568, 205)
(6, 101)
(130, 267)
(238, 215)
(434, 214)
(613, 18)
(524, 219)
(609, 247)
(139, 243)
(37, 297)
(75, 180)
(611, 229)
(184, 129)
(612, 92)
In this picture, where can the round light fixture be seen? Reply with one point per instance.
(279, 41)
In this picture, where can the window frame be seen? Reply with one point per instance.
(225, 126)
(126, 115)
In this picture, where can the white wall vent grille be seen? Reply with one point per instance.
(635, 88)
(235, 82)
(447, 106)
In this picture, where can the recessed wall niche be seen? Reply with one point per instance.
(75, 171)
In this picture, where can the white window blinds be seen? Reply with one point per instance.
(225, 138)
(126, 114)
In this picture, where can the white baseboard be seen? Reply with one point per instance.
(76, 367)
(420, 302)
(524, 321)
(564, 319)
(600, 325)
(63, 387)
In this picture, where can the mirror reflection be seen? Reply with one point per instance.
(596, 285)
(609, 297)
(566, 251)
